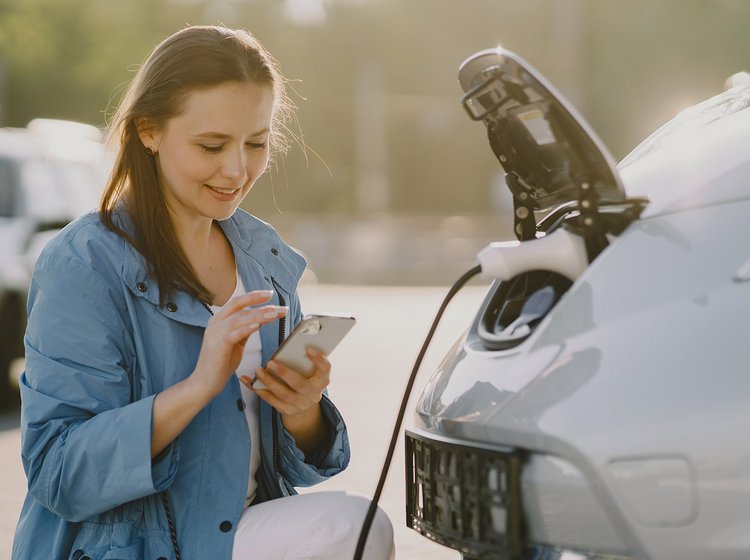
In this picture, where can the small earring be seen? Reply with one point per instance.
(150, 151)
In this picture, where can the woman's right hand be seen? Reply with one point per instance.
(225, 337)
(221, 352)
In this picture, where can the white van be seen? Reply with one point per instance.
(50, 172)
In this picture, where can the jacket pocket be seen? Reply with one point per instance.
(117, 541)
(133, 552)
(156, 547)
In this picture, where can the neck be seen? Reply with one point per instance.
(195, 234)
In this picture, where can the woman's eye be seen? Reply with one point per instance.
(210, 149)
(257, 146)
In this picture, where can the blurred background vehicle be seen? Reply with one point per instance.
(50, 172)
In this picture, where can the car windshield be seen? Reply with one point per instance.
(57, 190)
(690, 120)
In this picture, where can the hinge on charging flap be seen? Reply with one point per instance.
(590, 222)
(524, 221)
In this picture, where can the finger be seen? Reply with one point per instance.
(272, 312)
(260, 315)
(241, 334)
(290, 377)
(321, 376)
(247, 381)
(319, 359)
(308, 387)
(245, 300)
(280, 389)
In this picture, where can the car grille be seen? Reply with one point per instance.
(465, 498)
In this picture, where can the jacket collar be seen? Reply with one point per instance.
(277, 264)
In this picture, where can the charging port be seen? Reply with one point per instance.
(517, 306)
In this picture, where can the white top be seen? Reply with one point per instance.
(251, 360)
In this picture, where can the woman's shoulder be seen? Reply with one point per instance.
(252, 226)
(84, 241)
(251, 230)
(80, 270)
(261, 240)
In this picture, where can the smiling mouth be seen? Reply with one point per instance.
(223, 191)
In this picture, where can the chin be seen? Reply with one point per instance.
(221, 216)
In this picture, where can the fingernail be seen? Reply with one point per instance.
(272, 365)
(266, 293)
(312, 351)
(253, 326)
(275, 312)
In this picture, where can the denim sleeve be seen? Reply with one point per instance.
(86, 443)
(327, 461)
(332, 457)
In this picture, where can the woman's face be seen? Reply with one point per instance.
(210, 155)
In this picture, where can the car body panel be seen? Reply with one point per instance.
(699, 159)
(643, 343)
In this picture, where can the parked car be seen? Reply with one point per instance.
(597, 406)
(50, 172)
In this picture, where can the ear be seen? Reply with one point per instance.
(149, 133)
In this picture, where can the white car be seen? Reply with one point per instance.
(50, 172)
(597, 407)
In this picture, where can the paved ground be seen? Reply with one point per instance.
(12, 481)
(392, 250)
(370, 370)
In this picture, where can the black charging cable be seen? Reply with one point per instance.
(400, 418)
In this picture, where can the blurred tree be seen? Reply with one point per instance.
(71, 58)
(628, 65)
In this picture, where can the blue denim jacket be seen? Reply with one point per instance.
(98, 349)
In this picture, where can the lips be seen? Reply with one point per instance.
(223, 191)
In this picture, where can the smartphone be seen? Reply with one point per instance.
(323, 332)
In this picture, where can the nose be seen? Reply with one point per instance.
(234, 166)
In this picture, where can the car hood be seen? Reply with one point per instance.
(699, 158)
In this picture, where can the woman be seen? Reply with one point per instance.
(148, 321)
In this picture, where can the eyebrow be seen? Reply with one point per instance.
(222, 136)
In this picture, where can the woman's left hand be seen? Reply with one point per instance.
(296, 397)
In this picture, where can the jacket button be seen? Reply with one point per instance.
(77, 555)
(240, 405)
(141, 286)
(225, 526)
(162, 558)
(171, 306)
(275, 251)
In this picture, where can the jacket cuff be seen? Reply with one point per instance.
(164, 465)
(325, 462)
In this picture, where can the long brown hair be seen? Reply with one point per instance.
(194, 58)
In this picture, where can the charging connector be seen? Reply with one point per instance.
(562, 251)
